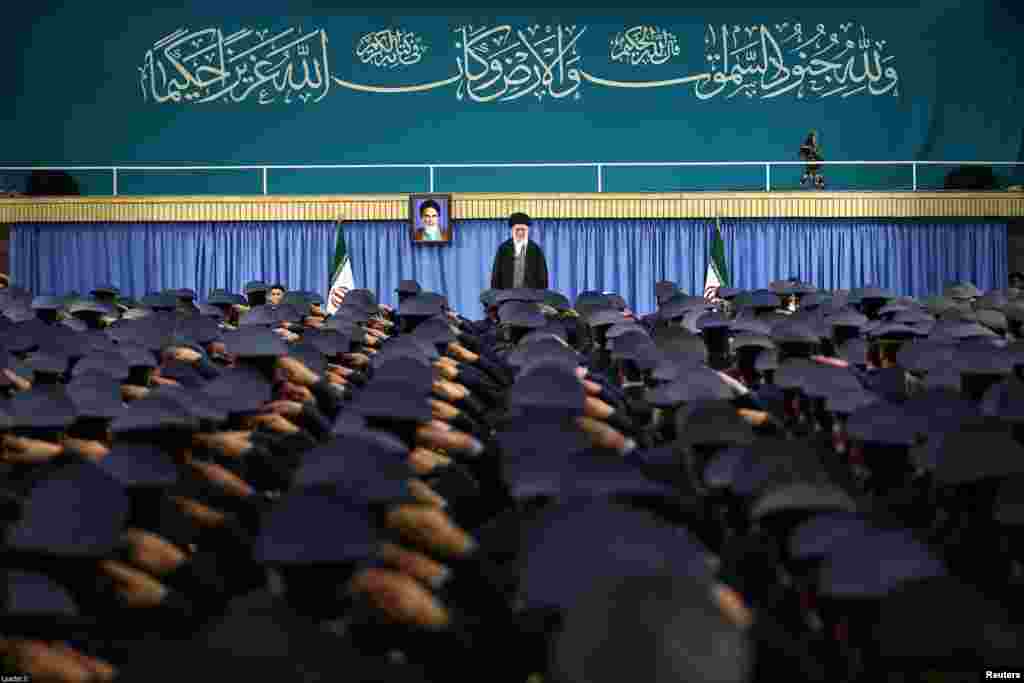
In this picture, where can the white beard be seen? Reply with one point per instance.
(519, 246)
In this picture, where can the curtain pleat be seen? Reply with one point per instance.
(916, 258)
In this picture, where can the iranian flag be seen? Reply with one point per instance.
(341, 275)
(718, 274)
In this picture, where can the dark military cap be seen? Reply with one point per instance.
(106, 289)
(185, 294)
(692, 384)
(995, 300)
(869, 293)
(884, 423)
(847, 318)
(981, 631)
(992, 319)
(91, 306)
(577, 474)
(391, 399)
(268, 315)
(801, 496)
(774, 464)
(310, 355)
(567, 551)
(199, 331)
(962, 291)
(329, 342)
(19, 313)
(848, 402)
(77, 511)
(37, 607)
(191, 400)
(417, 375)
(408, 345)
(535, 296)
(743, 341)
(750, 325)
(604, 317)
(543, 351)
(956, 330)
(915, 318)
(795, 332)
(548, 387)
(1005, 400)
(153, 413)
(816, 537)
(346, 321)
(767, 360)
(292, 534)
(408, 287)
(521, 314)
(112, 364)
(894, 330)
(712, 423)
(556, 300)
(893, 307)
(721, 469)
(924, 356)
(159, 300)
(1010, 502)
(814, 300)
(363, 299)
(653, 628)
(47, 303)
(139, 465)
(255, 342)
(983, 361)
(589, 296)
(637, 348)
(239, 390)
(665, 288)
(96, 396)
(761, 298)
(626, 327)
(222, 298)
(713, 320)
(873, 565)
(979, 449)
(815, 378)
(729, 293)
(47, 363)
(362, 467)
(255, 287)
(420, 306)
(210, 311)
(43, 408)
(678, 306)
(435, 331)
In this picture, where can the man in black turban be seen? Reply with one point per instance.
(519, 262)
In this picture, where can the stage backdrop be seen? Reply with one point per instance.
(236, 82)
(624, 256)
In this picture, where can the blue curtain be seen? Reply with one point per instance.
(915, 258)
(626, 256)
(57, 258)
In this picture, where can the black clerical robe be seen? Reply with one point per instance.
(536, 274)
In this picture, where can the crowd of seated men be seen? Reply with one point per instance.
(781, 484)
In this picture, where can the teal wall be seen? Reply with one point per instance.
(943, 82)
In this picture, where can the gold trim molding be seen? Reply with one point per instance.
(808, 204)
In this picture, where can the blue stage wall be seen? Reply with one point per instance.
(240, 82)
(626, 256)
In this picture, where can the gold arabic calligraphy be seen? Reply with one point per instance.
(504, 63)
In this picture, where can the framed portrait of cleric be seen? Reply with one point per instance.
(430, 218)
